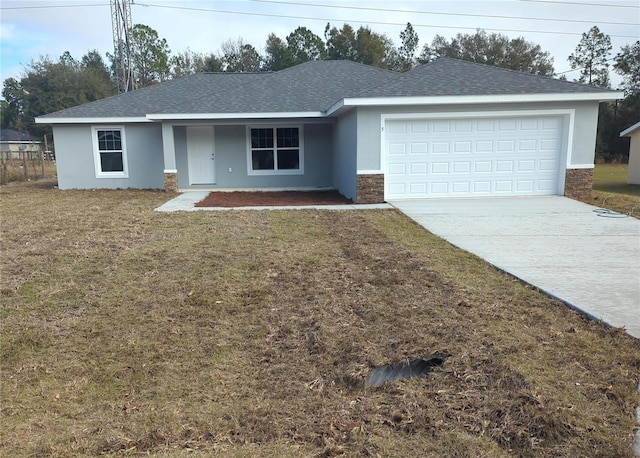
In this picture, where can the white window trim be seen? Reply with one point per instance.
(96, 153)
(298, 171)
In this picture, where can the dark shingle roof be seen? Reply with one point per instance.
(448, 77)
(154, 98)
(8, 135)
(314, 87)
(311, 86)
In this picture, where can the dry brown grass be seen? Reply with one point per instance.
(12, 170)
(250, 333)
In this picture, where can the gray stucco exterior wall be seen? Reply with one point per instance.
(75, 157)
(584, 134)
(231, 168)
(344, 154)
(582, 146)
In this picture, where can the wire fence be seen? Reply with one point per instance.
(26, 166)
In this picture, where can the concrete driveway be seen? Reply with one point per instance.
(554, 243)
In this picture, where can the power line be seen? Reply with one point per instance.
(389, 10)
(39, 7)
(582, 68)
(579, 3)
(439, 26)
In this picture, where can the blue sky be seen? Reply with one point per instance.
(33, 28)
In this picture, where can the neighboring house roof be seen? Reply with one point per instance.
(627, 132)
(12, 136)
(321, 88)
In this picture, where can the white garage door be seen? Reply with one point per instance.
(472, 157)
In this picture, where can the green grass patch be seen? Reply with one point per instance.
(612, 178)
(611, 191)
(250, 333)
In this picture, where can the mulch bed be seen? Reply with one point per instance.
(272, 198)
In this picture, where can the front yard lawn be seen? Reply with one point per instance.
(250, 333)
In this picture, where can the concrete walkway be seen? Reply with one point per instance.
(554, 243)
(187, 201)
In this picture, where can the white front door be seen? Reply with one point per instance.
(201, 155)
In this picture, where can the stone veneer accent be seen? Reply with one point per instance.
(171, 182)
(370, 188)
(578, 183)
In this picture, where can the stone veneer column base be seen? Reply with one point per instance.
(171, 182)
(578, 183)
(370, 188)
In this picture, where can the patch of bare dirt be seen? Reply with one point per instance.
(272, 198)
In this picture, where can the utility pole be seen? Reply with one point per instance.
(121, 24)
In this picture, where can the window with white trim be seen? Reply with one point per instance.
(275, 150)
(110, 155)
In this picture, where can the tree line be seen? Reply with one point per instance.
(49, 85)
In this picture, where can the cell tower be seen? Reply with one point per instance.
(121, 24)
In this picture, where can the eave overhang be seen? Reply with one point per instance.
(92, 120)
(627, 132)
(348, 103)
(225, 116)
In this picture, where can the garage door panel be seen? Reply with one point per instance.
(483, 166)
(527, 145)
(462, 147)
(529, 124)
(507, 125)
(439, 188)
(548, 165)
(418, 127)
(525, 185)
(418, 148)
(397, 169)
(441, 126)
(549, 144)
(438, 168)
(547, 185)
(397, 149)
(397, 189)
(461, 187)
(551, 124)
(418, 168)
(461, 167)
(504, 166)
(503, 186)
(485, 125)
(526, 165)
(506, 146)
(469, 157)
(397, 128)
(440, 148)
(481, 187)
(418, 189)
(484, 146)
(463, 126)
